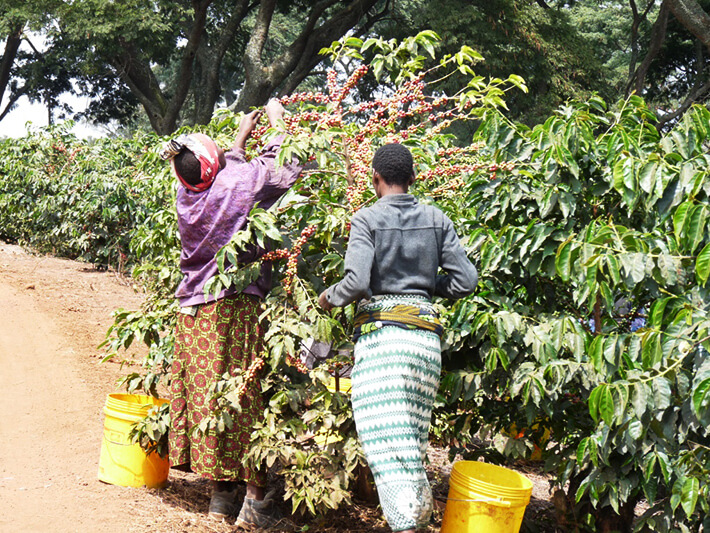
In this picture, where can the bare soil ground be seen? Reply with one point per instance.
(53, 315)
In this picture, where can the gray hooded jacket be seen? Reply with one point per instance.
(397, 246)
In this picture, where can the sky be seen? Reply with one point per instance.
(15, 123)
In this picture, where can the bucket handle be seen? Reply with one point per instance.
(483, 499)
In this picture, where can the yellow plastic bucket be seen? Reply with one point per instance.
(123, 462)
(485, 497)
(342, 385)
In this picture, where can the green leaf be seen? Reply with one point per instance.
(516, 80)
(620, 393)
(702, 265)
(647, 176)
(639, 399)
(613, 268)
(596, 353)
(661, 393)
(353, 42)
(549, 200)
(563, 260)
(606, 405)
(652, 350)
(657, 310)
(666, 467)
(689, 495)
(696, 228)
(377, 66)
(701, 396)
(594, 402)
(667, 272)
(429, 48)
(649, 466)
(607, 295)
(635, 430)
(583, 486)
(637, 273)
(676, 494)
(680, 218)
(618, 175)
(610, 349)
(582, 451)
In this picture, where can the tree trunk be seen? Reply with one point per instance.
(700, 90)
(209, 61)
(693, 18)
(569, 513)
(327, 21)
(658, 35)
(637, 19)
(8, 57)
(290, 68)
(136, 72)
(607, 521)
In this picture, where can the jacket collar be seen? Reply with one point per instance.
(401, 199)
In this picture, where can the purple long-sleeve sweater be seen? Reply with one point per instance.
(207, 220)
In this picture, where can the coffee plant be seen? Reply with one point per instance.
(587, 337)
(76, 199)
(309, 227)
(591, 320)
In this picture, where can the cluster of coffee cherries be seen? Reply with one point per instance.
(494, 168)
(450, 152)
(258, 133)
(295, 98)
(251, 374)
(336, 367)
(275, 255)
(355, 193)
(69, 155)
(352, 81)
(304, 116)
(447, 171)
(409, 112)
(448, 189)
(292, 263)
(337, 94)
(296, 363)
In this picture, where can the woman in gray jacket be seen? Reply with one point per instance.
(392, 268)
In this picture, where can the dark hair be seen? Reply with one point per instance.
(187, 165)
(394, 163)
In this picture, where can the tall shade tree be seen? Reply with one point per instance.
(171, 55)
(654, 48)
(18, 68)
(541, 44)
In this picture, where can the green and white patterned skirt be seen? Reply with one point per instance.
(394, 384)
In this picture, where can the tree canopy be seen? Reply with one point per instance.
(180, 59)
(170, 63)
(565, 50)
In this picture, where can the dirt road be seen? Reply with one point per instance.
(53, 314)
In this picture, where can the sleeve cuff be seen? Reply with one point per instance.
(275, 143)
(236, 154)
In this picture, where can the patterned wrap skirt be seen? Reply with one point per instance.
(394, 383)
(223, 336)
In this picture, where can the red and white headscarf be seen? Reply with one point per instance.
(206, 152)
